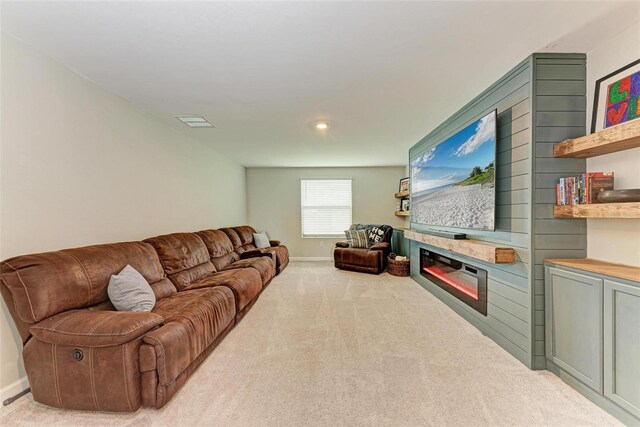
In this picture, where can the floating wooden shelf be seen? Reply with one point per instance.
(402, 213)
(402, 195)
(601, 267)
(477, 249)
(610, 140)
(599, 210)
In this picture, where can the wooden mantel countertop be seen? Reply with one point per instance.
(605, 268)
(484, 251)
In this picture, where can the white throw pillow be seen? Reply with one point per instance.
(129, 291)
(261, 240)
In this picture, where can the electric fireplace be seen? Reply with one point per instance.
(463, 281)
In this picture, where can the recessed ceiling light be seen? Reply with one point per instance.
(322, 125)
(195, 121)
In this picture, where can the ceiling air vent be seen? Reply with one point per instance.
(195, 121)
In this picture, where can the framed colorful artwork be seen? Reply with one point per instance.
(616, 97)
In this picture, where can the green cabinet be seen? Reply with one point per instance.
(622, 345)
(399, 245)
(574, 324)
(592, 328)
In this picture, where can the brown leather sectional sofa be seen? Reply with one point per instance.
(79, 353)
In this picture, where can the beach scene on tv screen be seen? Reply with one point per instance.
(453, 183)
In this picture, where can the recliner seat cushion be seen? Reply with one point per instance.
(193, 320)
(184, 257)
(263, 264)
(245, 283)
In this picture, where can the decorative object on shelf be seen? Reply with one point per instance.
(616, 97)
(401, 195)
(398, 265)
(404, 204)
(619, 196)
(583, 189)
(404, 185)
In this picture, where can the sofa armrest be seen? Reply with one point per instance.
(342, 244)
(95, 328)
(274, 243)
(254, 253)
(382, 246)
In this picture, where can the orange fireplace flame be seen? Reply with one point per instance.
(447, 278)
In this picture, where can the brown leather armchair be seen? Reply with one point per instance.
(366, 260)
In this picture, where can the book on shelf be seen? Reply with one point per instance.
(597, 182)
(583, 189)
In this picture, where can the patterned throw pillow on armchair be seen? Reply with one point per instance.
(357, 238)
(375, 235)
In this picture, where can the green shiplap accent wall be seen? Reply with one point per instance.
(560, 110)
(539, 102)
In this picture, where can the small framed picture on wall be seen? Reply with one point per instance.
(404, 185)
(404, 204)
(616, 97)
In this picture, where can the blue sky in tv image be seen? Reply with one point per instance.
(452, 160)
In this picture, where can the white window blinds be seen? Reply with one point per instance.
(326, 207)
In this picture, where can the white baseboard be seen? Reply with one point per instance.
(310, 258)
(14, 388)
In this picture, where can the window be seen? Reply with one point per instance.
(326, 207)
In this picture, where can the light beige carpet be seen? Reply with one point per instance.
(324, 347)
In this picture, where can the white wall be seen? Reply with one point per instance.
(274, 202)
(81, 166)
(608, 239)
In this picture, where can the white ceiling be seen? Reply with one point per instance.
(383, 74)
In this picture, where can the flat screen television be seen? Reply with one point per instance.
(453, 183)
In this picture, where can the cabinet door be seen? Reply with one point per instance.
(573, 314)
(622, 345)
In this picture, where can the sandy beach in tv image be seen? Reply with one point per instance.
(453, 183)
